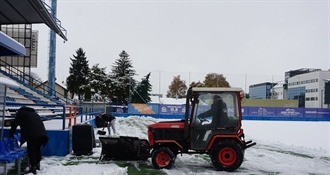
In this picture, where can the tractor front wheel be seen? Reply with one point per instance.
(227, 155)
(162, 157)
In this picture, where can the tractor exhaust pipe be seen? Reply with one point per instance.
(186, 117)
(249, 143)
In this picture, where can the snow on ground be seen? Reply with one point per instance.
(282, 148)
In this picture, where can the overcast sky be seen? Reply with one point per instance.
(248, 41)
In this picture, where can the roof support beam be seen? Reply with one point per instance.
(10, 47)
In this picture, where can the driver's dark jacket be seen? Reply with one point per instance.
(218, 112)
(108, 117)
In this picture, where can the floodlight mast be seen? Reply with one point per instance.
(52, 54)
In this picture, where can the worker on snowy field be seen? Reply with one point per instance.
(110, 119)
(33, 132)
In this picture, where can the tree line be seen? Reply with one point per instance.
(119, 86)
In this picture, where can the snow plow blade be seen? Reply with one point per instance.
(124, 148)
(249, 143)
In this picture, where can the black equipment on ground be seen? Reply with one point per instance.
(124, 148)
(101, 132)
(82, 139)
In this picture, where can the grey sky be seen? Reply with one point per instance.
(247, 41)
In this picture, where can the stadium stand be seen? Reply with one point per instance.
(22, 95)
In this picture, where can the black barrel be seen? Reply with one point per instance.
(83, 139)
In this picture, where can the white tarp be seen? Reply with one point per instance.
(8, 82)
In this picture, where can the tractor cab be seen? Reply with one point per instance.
(213, 113)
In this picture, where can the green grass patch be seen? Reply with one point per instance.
(269, 172)
(142, 169)
(83, 157)
(296, 154)
(204, 157)
(133, 167)
(325, 158)
(269, 148)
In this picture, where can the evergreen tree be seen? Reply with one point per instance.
(121, 78)
(141, 93)
(98, 82)
(177, 89)
(79, 74)
(88, 93)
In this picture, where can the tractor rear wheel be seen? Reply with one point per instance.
(162, 157)
(227, 155)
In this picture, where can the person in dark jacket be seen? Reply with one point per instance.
(33, 132)
(218, 112)
(110, 119)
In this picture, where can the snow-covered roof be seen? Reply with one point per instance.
(279, 85)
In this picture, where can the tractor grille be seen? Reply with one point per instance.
(169, 134)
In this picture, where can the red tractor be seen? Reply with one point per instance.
(212, 126)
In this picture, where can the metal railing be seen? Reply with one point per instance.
(74, 114)
(28, 81)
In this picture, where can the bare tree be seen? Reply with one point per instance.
(215, 80)
(35, 80)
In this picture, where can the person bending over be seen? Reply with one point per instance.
(110, 119)
(33, 132)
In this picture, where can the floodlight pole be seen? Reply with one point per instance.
(52, 54)
(327, 81)
(2, 107)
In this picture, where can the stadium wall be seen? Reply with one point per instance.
(248, 113)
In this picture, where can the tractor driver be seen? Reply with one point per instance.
(218, 112)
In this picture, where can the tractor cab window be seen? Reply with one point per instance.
(215, 113)
(217, 109)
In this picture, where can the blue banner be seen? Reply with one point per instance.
(317, 112)
(290, 112)
(261, 111)
(172, 109)
(248, 113)
(324, 113)
(118, 108)
(245, 110)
